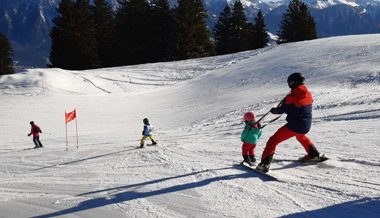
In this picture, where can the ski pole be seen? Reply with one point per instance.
(279, 104)
(262, 117)
(271, 121)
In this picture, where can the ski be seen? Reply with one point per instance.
(147, 145)
(322, 158)
(266, 175)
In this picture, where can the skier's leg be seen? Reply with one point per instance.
(152, 139)
(39, 142)
(252, 149)
(308, 145)
(245, 152)
(281, 135)
(35, 141)
(245, 149)
(143, 141)
(252, 152)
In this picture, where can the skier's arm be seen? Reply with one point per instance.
(244, 135)
(145, 130)
(259, 134)
(279, 110)
(281, 107)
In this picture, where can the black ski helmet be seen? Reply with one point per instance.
(295, 79)
(146, 121)
(31, 123)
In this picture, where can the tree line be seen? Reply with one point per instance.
(6, 62)
(89, 35)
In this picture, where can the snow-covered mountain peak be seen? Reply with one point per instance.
(328, 3)
(321, 4)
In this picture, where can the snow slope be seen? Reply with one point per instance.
(196, 107)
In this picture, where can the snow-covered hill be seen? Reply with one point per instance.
(196, 107)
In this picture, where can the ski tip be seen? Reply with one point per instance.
(323, 158)
(263, 175)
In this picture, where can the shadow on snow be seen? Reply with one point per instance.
(83, 159)
(365, 207)
(122, 193)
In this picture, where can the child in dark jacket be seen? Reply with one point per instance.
(147, 133)
(249, 137)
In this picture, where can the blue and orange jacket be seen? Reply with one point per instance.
(298, 106)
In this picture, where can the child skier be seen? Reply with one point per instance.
(35, 131)
(147, 132)
(249, 137)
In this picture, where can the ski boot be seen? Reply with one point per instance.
(247, 160)
(307, 158)
(263, 167)
(252, 159)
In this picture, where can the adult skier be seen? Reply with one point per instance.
(35, 131)
(298, 107)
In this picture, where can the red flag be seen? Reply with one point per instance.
(70, 116)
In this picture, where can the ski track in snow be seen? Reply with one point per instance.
(196, 107)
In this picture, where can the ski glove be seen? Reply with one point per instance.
(273, 110)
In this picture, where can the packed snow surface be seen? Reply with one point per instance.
(196, 108)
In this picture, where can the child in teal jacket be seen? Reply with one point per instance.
(249, 137)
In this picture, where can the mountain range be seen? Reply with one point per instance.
(27, 23)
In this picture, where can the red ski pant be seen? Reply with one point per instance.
(281, 135)
(248, 149)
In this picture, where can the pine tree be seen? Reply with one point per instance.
(297, 24)
(163, 30)
(60, 49)
(307, 26)
(222, 32)
(74, 44)
(261, 37)
(192, 36)
(134, 34)
(240, 31)
(6, 62)
(104, 31)
(251, 33)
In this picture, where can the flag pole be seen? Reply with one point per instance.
(67, 147)
(76, 126)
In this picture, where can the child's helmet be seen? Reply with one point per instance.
(249, 116)
(146, 121)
